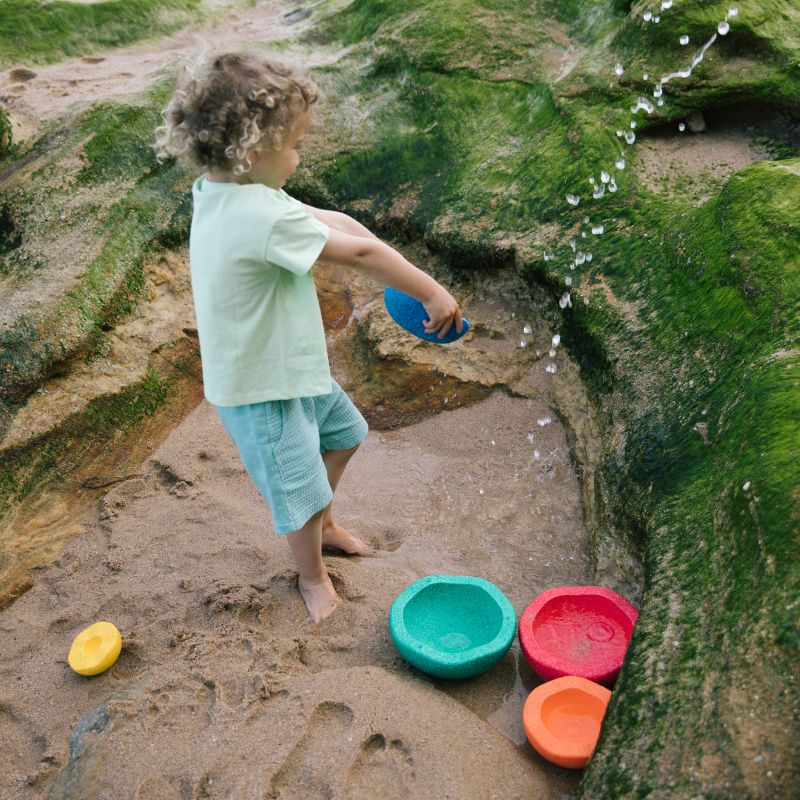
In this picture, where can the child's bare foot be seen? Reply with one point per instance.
(320, 597)
(334, 535)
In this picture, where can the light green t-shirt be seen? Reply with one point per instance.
(251, 249)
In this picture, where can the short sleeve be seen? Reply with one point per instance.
(296, 240)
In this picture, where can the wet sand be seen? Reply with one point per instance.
(224, 689)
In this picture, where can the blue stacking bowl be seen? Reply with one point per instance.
(452, 626)
(409, 313)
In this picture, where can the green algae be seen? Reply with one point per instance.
(37, 344)
(37, 33)
(6, 138)
(53, 458)
(462, 145)
(116, 147)
(721, 528)
(120, 142)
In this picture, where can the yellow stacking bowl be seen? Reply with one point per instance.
(95, 649)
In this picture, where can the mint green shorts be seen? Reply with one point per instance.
(281, 444)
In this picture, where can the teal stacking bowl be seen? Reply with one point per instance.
(452, 626)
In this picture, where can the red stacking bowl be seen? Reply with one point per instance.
(577, 630)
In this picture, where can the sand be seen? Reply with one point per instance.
(224, 689)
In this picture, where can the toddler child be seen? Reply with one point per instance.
(243, 118)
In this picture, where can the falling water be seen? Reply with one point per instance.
(607, 182)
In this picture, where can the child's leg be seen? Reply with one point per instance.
(314, 582)
(333, 534)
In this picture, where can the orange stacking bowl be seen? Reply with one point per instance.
(562, 719)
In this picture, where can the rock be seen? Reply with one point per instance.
(701, 429)
(21, 74)
(696, 122)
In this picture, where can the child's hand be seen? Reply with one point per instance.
(443, 312)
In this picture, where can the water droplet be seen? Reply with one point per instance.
(551, 368)
(598, 229)
(648, 15)
(681, 126)
(573, 200)
(568, 280)
(658, 91)
(620, 163)
(618, 69)
(723, 27)
(665, 4)
(556, 340)
(527, 329)
(630, 137)
(684, 40)
(605, 177)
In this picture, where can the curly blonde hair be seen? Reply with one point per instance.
(226, 105)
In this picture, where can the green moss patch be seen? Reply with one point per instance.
(42, 33)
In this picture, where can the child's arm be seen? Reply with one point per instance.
(340, 222)
(372, 257)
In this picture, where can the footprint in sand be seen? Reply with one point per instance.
(382, 769)
(309, 771)
(388, 541)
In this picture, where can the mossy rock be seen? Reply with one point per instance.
(689, 343)
(77, 235)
